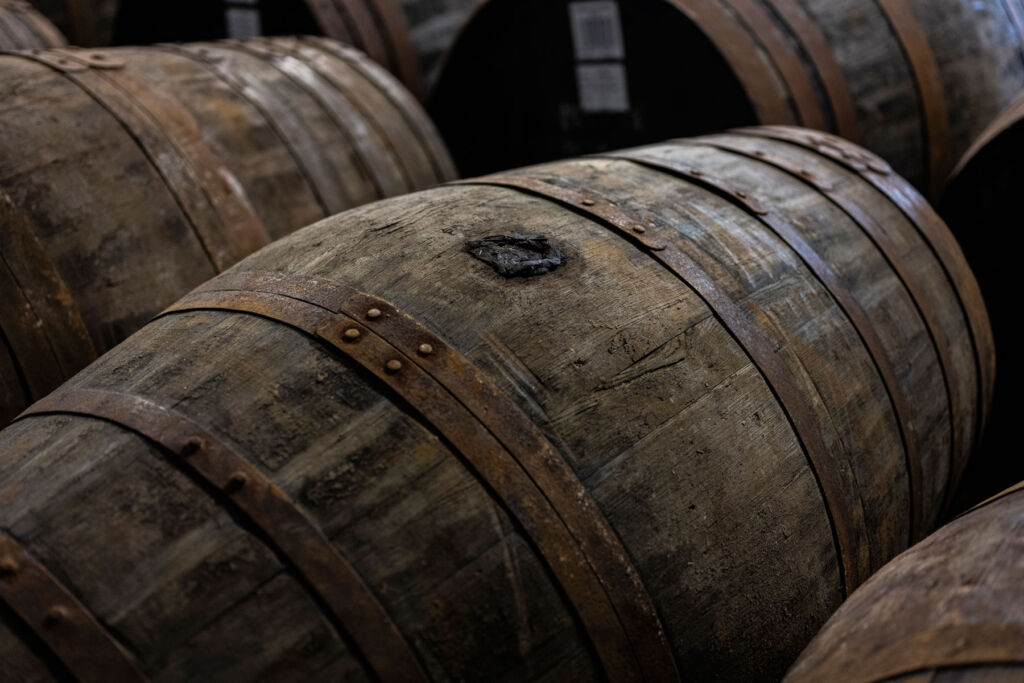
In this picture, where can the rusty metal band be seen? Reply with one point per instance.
(342, 79)
(957, 646)
(330, 20)
(903, 270)
(395, 32)
(852, 310)
(43, 324)
(293, 134)
(209, 194)
(845, 515)
(830, 75)
(63, 624)
(411, 110)
(762, 25)
(339, 109)
(931, 96)
(365, 32)
(195, 449)
(496, 440)
(735, 44)
(936, 236)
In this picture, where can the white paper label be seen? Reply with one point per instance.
(243, 22)
(602, 88)
(596, 30)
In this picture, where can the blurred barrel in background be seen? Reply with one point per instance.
(131, 175)
(950, 610)
(981, 204)
(913, 80)
(654, 414)
(23, 28)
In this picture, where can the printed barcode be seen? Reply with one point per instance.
(596, 30)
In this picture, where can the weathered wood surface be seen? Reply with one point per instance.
(950, 609)
(913, 80)
(980, 203)
(738, 376)
(122, 188)
(377, 27)
(23, 28)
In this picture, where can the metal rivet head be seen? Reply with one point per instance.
(741, 194)
(351, 334)
(805, 173)
(373, 313)
(99, 56)
(55, 616)
(758, 153)
(587, 202)
(192, 446)
(237, 482)
(393, 366)
(638, 229)
(425, 349)
(8, 566)
(696, 173)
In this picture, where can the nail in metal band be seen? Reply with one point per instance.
(853, 311)
(495, 438)
(298, 538)
(845, 512)
(932, 230)
(62, 623)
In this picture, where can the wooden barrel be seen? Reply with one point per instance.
(980, 203)
(639, 416)
(433, 26)
(913, 80)
(377, 27)
(129, 176)
(23, 28)
(951, 609)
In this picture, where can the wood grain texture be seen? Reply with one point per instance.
(624, 366)
(144, 180)
(949, 609)
(913, 80)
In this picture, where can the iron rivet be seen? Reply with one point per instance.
(237, 482)
(696, 173)
(587, 202)
(373, 313)
(758, 153)
(8, 566)
(192, 446)
(393, 366)
(805, 173)
(741, 194)
(98, 56)
(55, 616)
(639, 229)
(352, 334)
(425, 349)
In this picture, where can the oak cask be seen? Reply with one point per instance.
(131, 175)
(647, 415)
(23, 28)
(913, 80)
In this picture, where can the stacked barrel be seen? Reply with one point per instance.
(684, 372)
